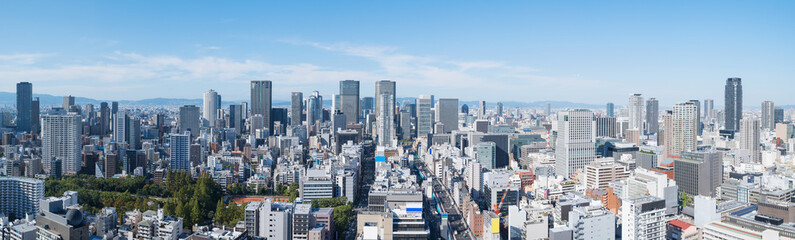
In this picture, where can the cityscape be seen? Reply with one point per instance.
(370, 142)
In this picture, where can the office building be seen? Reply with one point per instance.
(189, 120)
(104, 122)
(749, 138)
(237, 118)
(35, 117)
(61, 141)
(275, 220)
(447, 114)
(601, 172)
(68, 101)
(385, 93)
(180, 152)
(768, 115)
(210, 108)
(734, 104)
(610, 110)
(314, 109)
(708, 109)
(424, 116)
(499, 109)
(592, 222)
(20, 196)
(652, 116)
(261, 101)
(349, 100)
(486, 154)
(482, 110)
(606, 127)
(296, 108)
(699, 173)
(636, 111)
(24, 108)
(575, 145)
(778, 115)
(643, 218)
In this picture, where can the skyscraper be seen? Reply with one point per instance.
(236, 119)
(385, 121)
(778, 115)
(120, 127)
(180, 152)
(349, 100)
(499, 109)
(385, 90)
(210, 108)
(709, 104)
(189, 120)
(296, 108)
(636, 111)
(314, 108)
(548, 109)
(734, 104)
(698, 116)
(575, 146)
(610, 109)
(652, 116)
(261, 101)
(482, 110)
(35, 108)
(368, 105)
(768, 115)
(61, 141)
(24, 102)
(424, 116)
(749, 138)
(699, 173)
(682, 130)
(447, 114)
(68, 101)
(104, 122)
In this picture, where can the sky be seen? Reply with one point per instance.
(578, 51)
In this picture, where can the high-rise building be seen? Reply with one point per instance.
(699, 173)
(487, 154)
(575, 146)
(749, 138)
(548, 109)
(120, 127)
(368, 105)
(698, 116)
(20, 196)
(447, 114)
(778, 115)
(734, 104)
(709, 105)
(210, 108)
(61, 141)
(385, 121)
(636, 111)
(652, 116)
(682, 129)
(385, 90)
(236, 117)
(424, 116)
(104, 122)
(499, 109)
(36, 117)
(643, 218)
(349, 100)
(189, 120)
(606, 127)
(768, 115)
(296, 108)
(24, 102)
(262, 100)
(482, 110)
(610, 109)
(314, 109)
(180, 152)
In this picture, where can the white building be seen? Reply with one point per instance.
(749, 138)
(61, 141)
(575, 146)
(210, 107)
(20, 195)
(592, 222)
(643, 218)
(636, 112)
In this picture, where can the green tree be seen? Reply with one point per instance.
(685, 200)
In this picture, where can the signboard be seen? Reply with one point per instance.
(380, 159)
(495, 225)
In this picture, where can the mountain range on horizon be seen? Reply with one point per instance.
(8, 99)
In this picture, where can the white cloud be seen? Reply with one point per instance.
(22, 59)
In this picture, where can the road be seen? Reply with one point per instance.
(454, 218)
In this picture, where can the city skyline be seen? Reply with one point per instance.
(604, 53)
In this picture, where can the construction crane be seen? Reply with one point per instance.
(504, 194)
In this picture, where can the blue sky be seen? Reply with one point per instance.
(590, 52)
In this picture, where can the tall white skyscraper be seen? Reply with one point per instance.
(447, 113)
(61, 141)
(683, 129)
(749, 138)
(575, 144)
(386, 121)
(180, 152)
(424, 115)
(768, 115)
(119, 127)
(636, 111)
(210, 107)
